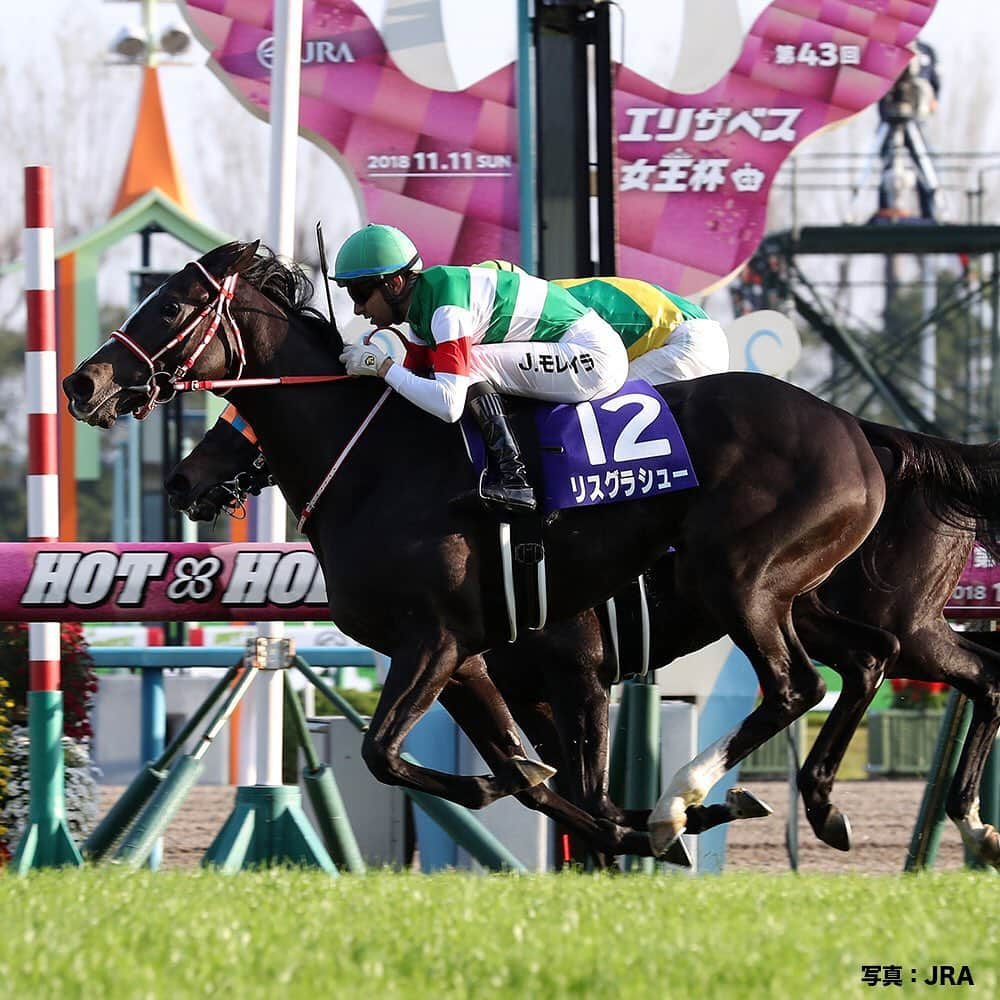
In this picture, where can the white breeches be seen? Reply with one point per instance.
(588, 361)
(696, 347)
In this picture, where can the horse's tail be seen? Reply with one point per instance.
(960, 483)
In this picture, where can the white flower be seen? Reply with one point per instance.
(82, 794)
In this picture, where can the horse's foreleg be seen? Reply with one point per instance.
(476, 705)
(415, 681)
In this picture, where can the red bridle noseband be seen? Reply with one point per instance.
(161, 386)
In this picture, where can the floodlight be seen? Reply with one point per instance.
(130, 42)
(175, 40)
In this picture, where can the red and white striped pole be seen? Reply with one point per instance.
(46, 841)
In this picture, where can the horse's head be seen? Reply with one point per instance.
(217, 474)
(184, 329)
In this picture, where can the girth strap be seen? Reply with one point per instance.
(523, 566)
(621, 640)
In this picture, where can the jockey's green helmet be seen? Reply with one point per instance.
(373, 252)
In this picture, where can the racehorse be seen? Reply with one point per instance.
(899, 580)
(788, 488)
(556, 680)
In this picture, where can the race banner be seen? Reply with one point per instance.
(695, 170)
(418, 102)
(977, 593)
(159, 581)
(202, 581)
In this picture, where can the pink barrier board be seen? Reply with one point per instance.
(155, 581)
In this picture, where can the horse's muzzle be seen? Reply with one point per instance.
(92, 400)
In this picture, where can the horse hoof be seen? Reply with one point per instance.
(662, 837)
(533, 771)
(678, 854)
(743, 804)
(831, 826)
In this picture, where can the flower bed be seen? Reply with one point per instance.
(6, 704)
(79, 685)
(918, 696)
(82, 791)
(78, 680)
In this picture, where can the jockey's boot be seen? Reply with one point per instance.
(511, 491)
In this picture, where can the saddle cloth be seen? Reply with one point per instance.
(609, 450)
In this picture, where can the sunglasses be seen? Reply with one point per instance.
(361, 291)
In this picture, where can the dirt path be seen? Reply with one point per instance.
(882, 815)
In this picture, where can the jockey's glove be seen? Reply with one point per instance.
(363, 359)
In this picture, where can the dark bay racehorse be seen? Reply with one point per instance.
(789, 487)
(556, 681)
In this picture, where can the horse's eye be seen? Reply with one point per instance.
(170, 309)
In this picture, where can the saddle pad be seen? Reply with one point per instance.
(609, 450)
(616, 448)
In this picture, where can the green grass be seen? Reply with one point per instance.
(288, 934)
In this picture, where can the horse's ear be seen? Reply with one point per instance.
(247, 254)
(230, 258)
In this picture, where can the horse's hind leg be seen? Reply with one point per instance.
(860, 654)
(963, 797)
(790, 686)
(935, 652)
(980, 681)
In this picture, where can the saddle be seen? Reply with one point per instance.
(610, 450)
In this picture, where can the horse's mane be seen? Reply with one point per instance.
(287, 285)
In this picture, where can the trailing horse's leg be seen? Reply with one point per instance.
(980, 681)
(475, 703)
(534, 716)
(577, 671)
(861, 655)
(416, 678)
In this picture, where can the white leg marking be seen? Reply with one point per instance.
(971, 826)
(688, 787)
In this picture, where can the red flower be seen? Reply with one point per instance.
(79, 683)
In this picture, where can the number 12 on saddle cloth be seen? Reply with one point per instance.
(621, 447)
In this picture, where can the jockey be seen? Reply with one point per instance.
(668, 337)
(477, 332)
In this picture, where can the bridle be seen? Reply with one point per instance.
(162, 386)
(233, 493)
